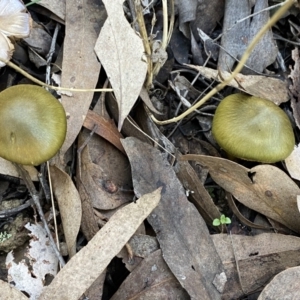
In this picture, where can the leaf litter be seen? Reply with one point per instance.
(172, 221)
(100, 170)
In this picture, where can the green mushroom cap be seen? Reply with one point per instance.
(33, 124)
(253, 129)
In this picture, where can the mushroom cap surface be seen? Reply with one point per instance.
(253, 129)
(33, 124)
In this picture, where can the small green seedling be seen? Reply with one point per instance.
(4, 236)
(222, 221)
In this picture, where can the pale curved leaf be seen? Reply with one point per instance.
(69, 203)
(121, 52)
(6, 49)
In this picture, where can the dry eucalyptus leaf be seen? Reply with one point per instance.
(69, 206)
(39, 40)
(264, 188)
(121, 52)
(40, 253)
(89, 225)
(285, 285)
(259, 258)
(292, 163)
(184, 171)
(104, 173)
(237, 36)
(85, 267)
(161, 283)
(80, 65)
(95, 291)
(39, 261)
(142, 245)
(208, 14)
(58, 7)
(130, 254)
(7, 168)
(180, 230)
(9, 292)
(264, 87)
(105, 127)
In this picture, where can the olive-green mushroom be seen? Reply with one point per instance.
(253, 129)
(32, 124)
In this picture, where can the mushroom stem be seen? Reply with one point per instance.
(33, 192)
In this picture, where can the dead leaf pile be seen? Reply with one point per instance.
(129, 204)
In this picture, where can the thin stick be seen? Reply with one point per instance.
(166, 34)
(165, 25)
(51, 52)
(41, 83)
(53, 205)
(33, 192)
(172, 21)
(238, 68)
(144, 36)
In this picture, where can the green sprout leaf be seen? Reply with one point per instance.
(227, 220)
(223, 220)
(216, 222)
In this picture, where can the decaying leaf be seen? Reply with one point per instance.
(29, 275)
(104, 173)
(285, 285)
(69, 206)
(184, 171)
(142, 245)
(264, 87)
(7, 168)
(121, 51)
(178, 225)
(9, 292)
(105, 128)
(161, 283)
(264, 188)
(259, 258)
(80, 65)
(58, 7)
(85, 267)
(208, 14)
(292, 163)
(238, 35)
